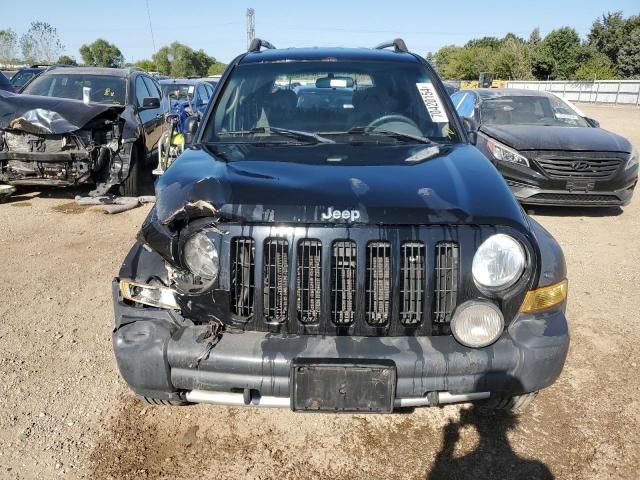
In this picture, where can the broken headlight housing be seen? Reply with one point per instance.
(152, 295)
(505, 154)
(200, 256)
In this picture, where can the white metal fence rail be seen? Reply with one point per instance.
(624, 92)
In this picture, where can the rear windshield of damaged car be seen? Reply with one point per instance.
(102, 88)
(530, 110)
(329, 99)
(178, 91)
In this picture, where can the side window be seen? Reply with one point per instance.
(141, 91)
(203, 94)
(152, 87)
(465, 108)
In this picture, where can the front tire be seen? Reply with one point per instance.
(506, 404)
(130, 187)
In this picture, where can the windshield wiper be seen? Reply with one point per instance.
(388, 133)
(297, 134)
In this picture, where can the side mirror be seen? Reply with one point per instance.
(593, 122)
(471, 127)
(150, 102)
(190, 128)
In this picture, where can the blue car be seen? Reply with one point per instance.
(196, 92)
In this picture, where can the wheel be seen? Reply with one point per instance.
(130, 187)
(506, 405)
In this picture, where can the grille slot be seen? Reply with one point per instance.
(412, 283)
(446, 281)
(571, 168)
(308, 281)
(276, 280)
(343, 282)
(242, 270)
(378, 283)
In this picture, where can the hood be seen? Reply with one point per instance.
(48, 115)
(529, 137)
(372, 184)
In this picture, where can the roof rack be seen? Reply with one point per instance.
(258, 43)
(398, 45)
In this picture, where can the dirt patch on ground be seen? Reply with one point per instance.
(66, 414)
(70, 208)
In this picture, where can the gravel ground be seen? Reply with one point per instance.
(67, 414)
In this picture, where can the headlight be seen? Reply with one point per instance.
(633, 159)
(477, 324)
(505, 154)
(201, 256)
(152, 295)
(499, 262)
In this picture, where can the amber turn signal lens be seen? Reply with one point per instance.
(544, 298)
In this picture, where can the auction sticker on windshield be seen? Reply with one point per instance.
(432, 102)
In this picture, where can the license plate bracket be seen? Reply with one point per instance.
(338, 386)
(581, 185)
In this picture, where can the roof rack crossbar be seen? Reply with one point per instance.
(258, 43)
(397, 43)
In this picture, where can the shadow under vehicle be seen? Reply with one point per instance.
(547, 150)
(348, 256)
(82, 125)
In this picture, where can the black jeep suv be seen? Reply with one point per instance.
(80, 125)
(353, 256)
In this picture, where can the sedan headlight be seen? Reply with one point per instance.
(498, 263)
(200, 255)
(152, 295)
(505, 154)
(477, 324)
(633, 159)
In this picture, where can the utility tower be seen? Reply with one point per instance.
(251, 26)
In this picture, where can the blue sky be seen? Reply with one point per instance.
(219, 27)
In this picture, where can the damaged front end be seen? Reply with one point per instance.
(63, 143)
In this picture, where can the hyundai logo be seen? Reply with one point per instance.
(580, 166)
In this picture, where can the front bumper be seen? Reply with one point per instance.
(156, 351)
(531, 195)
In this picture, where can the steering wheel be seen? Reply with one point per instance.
(404, 124)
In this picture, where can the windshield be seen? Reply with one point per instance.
(22, 77)
(336, 100)
(530, 110)
(178, 91)
(104, 89)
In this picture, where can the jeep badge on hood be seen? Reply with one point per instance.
(332, 214)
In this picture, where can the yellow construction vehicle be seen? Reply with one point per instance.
(486, 80)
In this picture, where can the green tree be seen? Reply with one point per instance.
(40, 43)
(596, 67)
(629, 55)
(442, 57)
(178, 60)
(66, 60)
(512, 60)
(562, 48)
(146, 65)
(534, 37)
(101, 54)
(8, 46)
(217, 68)
(609, 33)
(488, 42)
(468, 63)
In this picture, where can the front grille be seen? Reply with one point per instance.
(343, 282)
(412, 280)
(446, 281)
(366, 282)
(308, 281)
(242, 271)
(579, 167)
(275, 280)
(378, 283)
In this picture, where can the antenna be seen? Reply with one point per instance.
(251, 26)
(153, 40)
